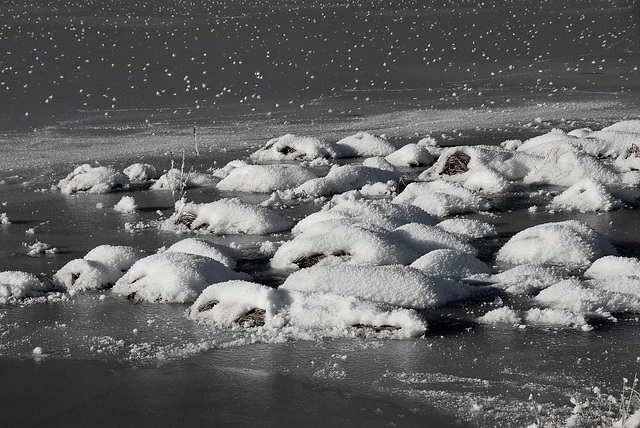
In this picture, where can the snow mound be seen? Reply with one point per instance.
(468, 227)
(100, 268)
(341, 179)
(89, 179)
(141, 172)
(371, 214)
(452, 264)
(395, 285)
(293, 147)
(15, 286)
(410, 155)
(570, 243)
(265, 178)
(126, 205)
(610, 267)
(536, 316)
(528, 279)
(245, 304)
(176, 180)
(378, 162)
(226, 216)
(422, 239)
(363, 144)
(173, 277)
(586, 195)
(442, 198)
(225, 255)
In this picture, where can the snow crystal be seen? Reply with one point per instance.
(265, 178)
(394, 285)
(570, 243)
(86, 178)
(173, 277)
(225, 255)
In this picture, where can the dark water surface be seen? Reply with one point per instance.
(125, 81)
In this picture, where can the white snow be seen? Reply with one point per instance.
(442, 198)
(586, 195)
(173, 277)
(468, 227)
(570, 243)
(395, 285)
(410, 155)
(99, 268)
(227, 216)
(447, 263)
(528, 278)
(89, 179)
(265, 178)
(4, 219)
(293, 147)
(141, 172)
(15, 286)
(222, 253)
(126, 205)
(177, 180)
(610, 267)
(363, 144)
(344, 178)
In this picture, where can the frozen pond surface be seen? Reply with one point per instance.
(113, 83)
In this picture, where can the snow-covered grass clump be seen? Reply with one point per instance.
(100, 268)
(89, 179)
(586, 195)
(363, 144)
(570, 243)
(293, 147)
(225, 255)
(176, 180)
(4, 219)
(442, 198)
(343, 178)
(280, 312)
(265, 178)
(16, 286)
(141, 172)
(536, 316)
(126, 205)
(410, 155)
(173, 277)
(468, 227)
(528, 278)
(447, 263)
(226, 216)
(395, 285)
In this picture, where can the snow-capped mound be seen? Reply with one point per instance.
(227, 216)
(265, 178)
(89, 179)
(337, 315)
(394, 285)
(379, 163)
(468, 227)
(528, 279)
(422, 239)
(410, 155)
(570, 243)
(442, 198)
(173, 277)
(293, 147)
(587, 195)
(141, 172)
(236, 302)
(176, 180)
(367, 213)
(126, 205)
(610, 267)
(583, 297)
(446, 263)
(344, 178)
(363, 144)
(100, 268)
(15, 286)
(337, 242)
(536, 316)
(225, 255)
(483, 168)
